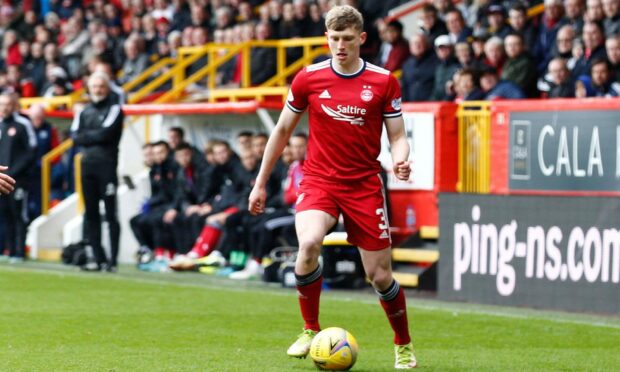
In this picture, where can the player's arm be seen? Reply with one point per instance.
(400, 147)
(6, 182)
(277, 141)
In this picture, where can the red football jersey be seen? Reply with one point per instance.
(346, 118)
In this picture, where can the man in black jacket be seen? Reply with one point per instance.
(97, 130)
(18, 145)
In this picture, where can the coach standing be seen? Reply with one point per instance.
(18, 145)
(97, 130)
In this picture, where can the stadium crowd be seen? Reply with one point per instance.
(477, 49)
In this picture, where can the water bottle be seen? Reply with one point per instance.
(410, 217)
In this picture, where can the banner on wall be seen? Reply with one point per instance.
(547, 252)
(565, 150)
(420, 131)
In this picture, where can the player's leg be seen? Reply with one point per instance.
(378, 267)
(365, 219)
(311, 225)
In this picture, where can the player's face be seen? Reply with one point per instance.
(345, 45)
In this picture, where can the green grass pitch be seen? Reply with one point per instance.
(53, 318)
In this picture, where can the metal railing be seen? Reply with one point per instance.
(474, 123)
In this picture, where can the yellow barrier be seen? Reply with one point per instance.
(474, 122)
(77, 166)
(46, 172)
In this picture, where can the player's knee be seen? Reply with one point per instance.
(309, 251)
(380, 279)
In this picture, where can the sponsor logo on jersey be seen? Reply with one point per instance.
(352, 114)
(325, 95)
(396, 103)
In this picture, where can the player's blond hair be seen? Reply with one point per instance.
(342, 17)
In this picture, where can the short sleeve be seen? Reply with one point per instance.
(393, 99)
(297, 99)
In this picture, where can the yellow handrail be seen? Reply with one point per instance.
(157, 66)
(295, 66)
(77, 166)
(474, 126)
(46, 170)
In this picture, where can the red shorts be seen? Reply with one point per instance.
(361, 203)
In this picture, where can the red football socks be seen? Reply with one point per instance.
(395, 307)
(309, 292)
(206, 242)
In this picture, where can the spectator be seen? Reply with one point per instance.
(182, 16)
(494, 54)
(76, 39)
(148, 37)
(198, 17)
(564, 42)
(520, 68)
(18, 146)
(398, 46)
(10, 49)
(497, 21)
(465, 56)
(519, 24)
(97, 131)
(594, 44)
(558, 82)
(263, 59)
(289, 28)
(602, 83)
(551, 22)
(573, 15)
(35, 66)
(611, 8)
(457, 30)
(316, 25)
(494, 88)
(418, 77)
(432, 26)
(466, 86)
(612, 47)
(445, 69)
(479, 38)
(136, 60)
(300, 8)
(594, 11)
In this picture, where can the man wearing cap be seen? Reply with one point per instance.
(446, 68)
(497, 21)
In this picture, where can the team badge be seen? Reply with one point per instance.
(396, 103)
(11, 132)
(366, 95)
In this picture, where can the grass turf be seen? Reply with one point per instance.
(55, 319)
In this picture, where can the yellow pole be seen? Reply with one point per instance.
(245, 66)
(45, 186)
(281, 63)
(77, 166)
(147, 129)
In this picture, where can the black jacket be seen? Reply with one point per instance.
(418, 77)
(18, 146)
(163, 179)
(97, 130)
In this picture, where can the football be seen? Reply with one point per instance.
(334, 349)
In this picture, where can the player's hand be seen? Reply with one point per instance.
(257, 199)
(402, 170)
(7, 184)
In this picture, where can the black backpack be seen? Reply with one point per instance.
(74, 254)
